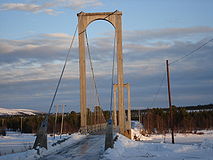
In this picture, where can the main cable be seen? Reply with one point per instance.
(62, 72)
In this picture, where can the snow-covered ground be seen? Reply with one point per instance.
(15, 146)
(153, 147)
(187, 147)
(189, 138)
(15, 142)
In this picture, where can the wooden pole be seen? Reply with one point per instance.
(62, 120)
(139, 115)
(170, 101)
(21, 124)
(56, 113)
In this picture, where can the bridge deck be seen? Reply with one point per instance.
(90, 148)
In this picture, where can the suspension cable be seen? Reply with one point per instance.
(113, 74)
(93, 75)
(92, 69)
(62, 72)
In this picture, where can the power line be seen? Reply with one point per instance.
(175, 61)
(158, 91)
(190, 53)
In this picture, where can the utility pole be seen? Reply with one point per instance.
(62, 120)
(139, 115)
(56, 114)
(170, 101)
(21, 124)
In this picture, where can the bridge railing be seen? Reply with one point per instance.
(96, 128)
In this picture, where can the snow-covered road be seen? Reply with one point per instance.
(89, 148)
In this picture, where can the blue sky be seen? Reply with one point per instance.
(35, 36)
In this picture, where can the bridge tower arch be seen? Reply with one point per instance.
(84, 19)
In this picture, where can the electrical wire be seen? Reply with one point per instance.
(175, 61)
(158, 91)
(190, 53)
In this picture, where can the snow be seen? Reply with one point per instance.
(187, 147)
(188, 138)
(4, 111)
(23, 142)
(15, 142)
(153, 147)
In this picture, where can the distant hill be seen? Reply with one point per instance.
(10, 112)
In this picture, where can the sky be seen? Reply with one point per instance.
(35, 36)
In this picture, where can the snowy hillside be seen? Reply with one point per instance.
(5, 111)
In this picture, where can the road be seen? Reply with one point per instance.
(90, 148)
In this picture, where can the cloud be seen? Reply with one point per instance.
(44, 47)
(50, 7)
(73, 4)
(57, 35)
(34, 8)
(38, 93)
(167, 34)
(30, 68)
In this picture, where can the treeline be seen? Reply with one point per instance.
(154, 120)
(158, 119)
(30, 124)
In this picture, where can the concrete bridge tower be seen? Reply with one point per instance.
(84, 19)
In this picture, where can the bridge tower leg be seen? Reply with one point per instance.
(128, 122)
(115, 104)
(127, 85)
(82, 66)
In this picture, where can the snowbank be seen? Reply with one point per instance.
(207, 144)
(125, 148)
(136, 131)
(136, 135)
(32, 154)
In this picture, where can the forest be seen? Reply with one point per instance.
(155, 120)
(185, 119)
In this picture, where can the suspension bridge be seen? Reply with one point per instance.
(92, 120)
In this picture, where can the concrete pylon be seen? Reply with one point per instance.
(41, 135)
(128, 122)
(84, 19)
(129, 107)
